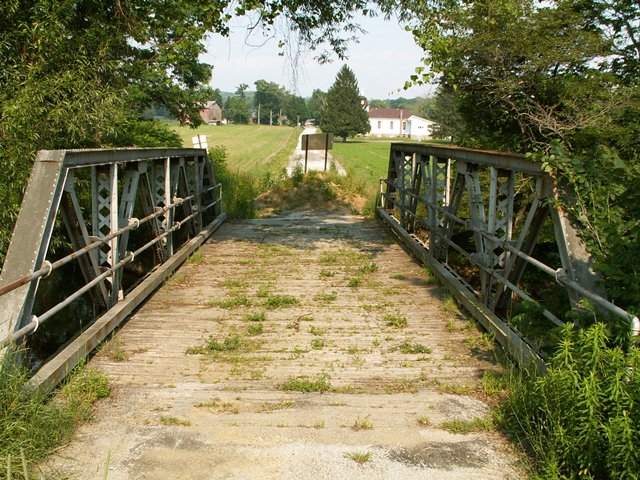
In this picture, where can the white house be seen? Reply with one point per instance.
(399, 122)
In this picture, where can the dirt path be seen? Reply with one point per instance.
(327, 300)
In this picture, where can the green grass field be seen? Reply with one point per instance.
(367, 159)
(254, 149)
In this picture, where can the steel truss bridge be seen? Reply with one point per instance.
(147, 210)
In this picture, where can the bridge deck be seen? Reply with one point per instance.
(225, 414)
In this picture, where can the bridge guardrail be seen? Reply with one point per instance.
(422, 199)
(173, 189)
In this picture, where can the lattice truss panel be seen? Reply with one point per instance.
(121, 194)
(454, 209)
(420, 194)
(132, 208)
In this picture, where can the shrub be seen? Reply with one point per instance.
(581, 417)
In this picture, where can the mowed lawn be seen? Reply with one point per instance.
(367, 158)
(250, 148)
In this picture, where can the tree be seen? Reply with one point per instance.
(343, 114)
(80, 73)
(375, 103)
(236, 107)
(216, 95)
(269, 99)
(315, 104)
(619, 20)
(443, 109)
(558, 79)
(296, 109)
(523, 72)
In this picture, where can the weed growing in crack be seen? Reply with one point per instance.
(359, 457)
(408, 347)
(255, 317)
(480, 424)
(395, 321)
(235, 283)
(273, 406)
(327, 297)
(362, 424)
(450, 305)
(313, 330)
(280, 301)
(318, 343)
(234, 302)
(327, 273)
(320, 383)
(196, 257)
(255, 329)
(230, 343)
(368, 268)
(423, 421)
(174, 421)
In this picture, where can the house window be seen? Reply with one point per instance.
(391, 124)
(379, 124)
(404, 125)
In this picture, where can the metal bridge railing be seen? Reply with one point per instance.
(437, 197)
(173, 191)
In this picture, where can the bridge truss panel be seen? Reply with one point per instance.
(430, 215)
(168, 196)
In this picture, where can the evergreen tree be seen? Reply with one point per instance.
(343, 114)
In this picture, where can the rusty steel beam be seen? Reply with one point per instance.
(103, 253)
(485, 180)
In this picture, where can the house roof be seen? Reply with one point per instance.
(389, 113)
(415, 117)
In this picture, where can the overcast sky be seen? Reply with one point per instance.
(383, 59)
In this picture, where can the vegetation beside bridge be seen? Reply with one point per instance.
(74, 79)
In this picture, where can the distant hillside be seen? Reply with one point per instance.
(249, 94)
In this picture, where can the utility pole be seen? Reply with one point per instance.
(270, 117)
(280, 118)
(258, 113)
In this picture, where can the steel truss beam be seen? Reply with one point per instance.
(417, 198)
(173, 189)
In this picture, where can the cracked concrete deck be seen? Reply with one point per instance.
(335, 291)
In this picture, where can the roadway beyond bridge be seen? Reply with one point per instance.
(201, 375)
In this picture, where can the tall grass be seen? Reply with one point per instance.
(239, 189)
(582, 418)
(32, 424)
